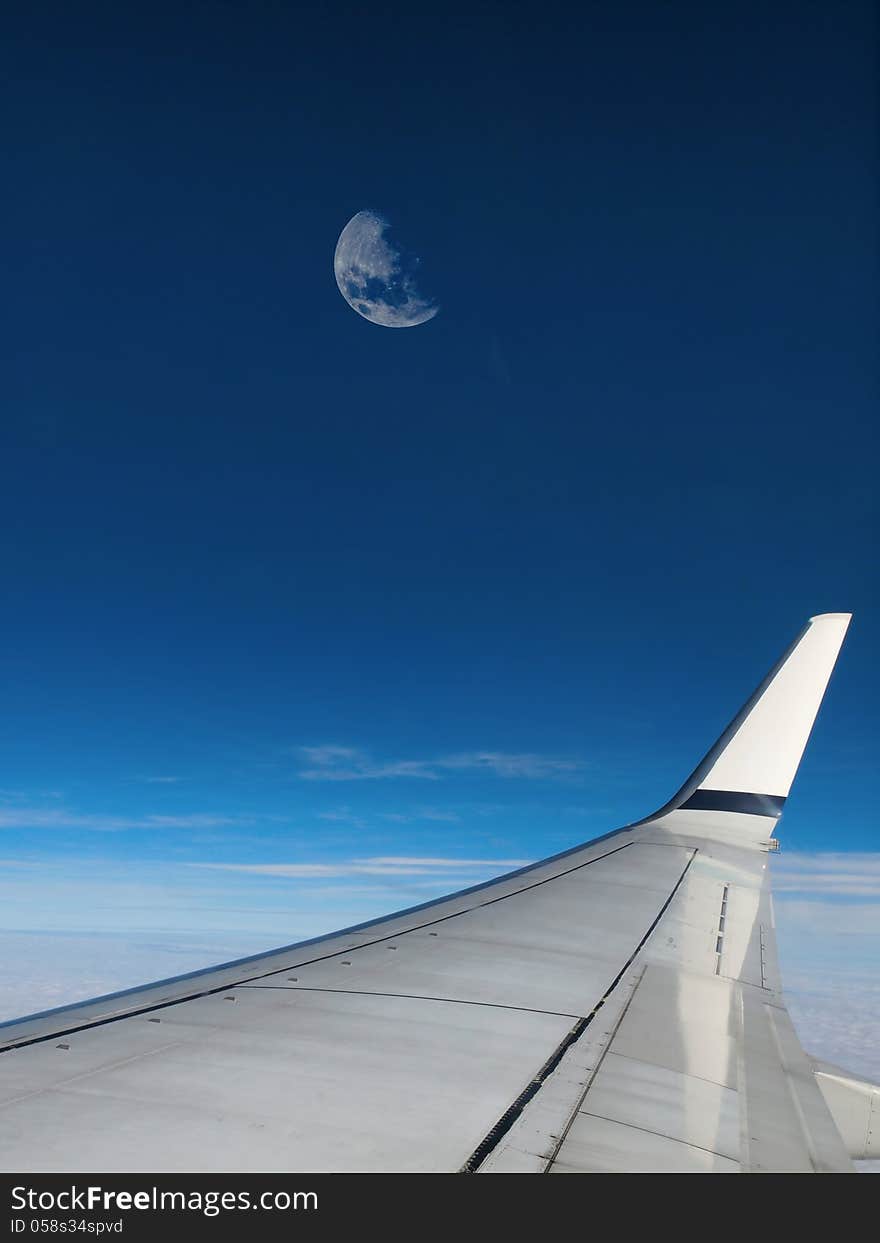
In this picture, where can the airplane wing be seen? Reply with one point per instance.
(615, 1007)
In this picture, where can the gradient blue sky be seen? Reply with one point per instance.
(376, 612)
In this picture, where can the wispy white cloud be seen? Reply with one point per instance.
(435, 862)
(380, 865)
(343, 815)
(27, 796)
(830, 918)
(160, 781)
(59, 818)
(503, 764)
(335, 763)
(197, 820)
(421, 813)
(828, 873)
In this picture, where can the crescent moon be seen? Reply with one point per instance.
(375, 277)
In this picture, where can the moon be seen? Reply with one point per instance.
(376, 277)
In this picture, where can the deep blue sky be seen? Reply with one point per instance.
(574, 518)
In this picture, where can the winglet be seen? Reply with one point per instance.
(752, 765)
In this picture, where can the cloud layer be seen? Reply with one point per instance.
(829, 874)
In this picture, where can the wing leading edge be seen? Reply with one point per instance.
(617, 1006)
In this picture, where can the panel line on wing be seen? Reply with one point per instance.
(453, 1001)
(276, 970)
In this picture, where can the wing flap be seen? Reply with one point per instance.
(694, 1064)
(396, 1051)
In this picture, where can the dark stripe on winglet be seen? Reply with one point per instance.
(735, 800)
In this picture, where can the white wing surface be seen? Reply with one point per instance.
(615, 1007)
